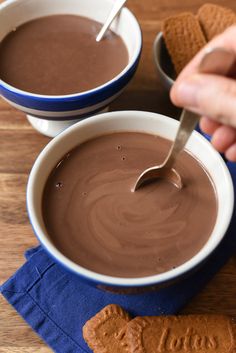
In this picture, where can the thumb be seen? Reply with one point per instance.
(208, 95)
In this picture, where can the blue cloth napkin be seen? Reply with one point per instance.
(56, 304)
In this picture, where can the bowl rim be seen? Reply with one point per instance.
(99, 88)
(92, 276)
(156, 56)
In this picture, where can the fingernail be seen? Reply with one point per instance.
(188, 91)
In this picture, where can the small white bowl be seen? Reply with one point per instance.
(52, 114)
(129, 121)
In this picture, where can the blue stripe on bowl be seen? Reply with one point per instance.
(60, 104)
(71, 117)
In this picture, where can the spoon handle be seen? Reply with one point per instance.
(217, 61)
(188, 122)
(114, 11)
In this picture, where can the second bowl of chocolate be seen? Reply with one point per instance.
(51, 66)
(83, 211)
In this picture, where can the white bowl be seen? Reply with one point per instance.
(52, 114)
(129, 121)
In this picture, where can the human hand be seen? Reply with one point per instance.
(211, 96)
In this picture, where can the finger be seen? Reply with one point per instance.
(223, 138)
(208, 95)
(208, 125)
(230, 154)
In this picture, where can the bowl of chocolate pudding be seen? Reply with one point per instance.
(84, 213)
(51, 66)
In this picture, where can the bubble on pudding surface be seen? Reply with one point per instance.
(59, 185)
(84, 193)
(118, 147)
(123, 158)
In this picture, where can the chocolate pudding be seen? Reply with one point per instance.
(59, 55)
(94, 218)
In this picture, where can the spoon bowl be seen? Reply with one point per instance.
(160, 172)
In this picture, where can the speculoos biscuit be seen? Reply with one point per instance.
(182, 334)
(105, 332)
(214, 19)
(183, 37)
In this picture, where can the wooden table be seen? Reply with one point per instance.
(20, 145)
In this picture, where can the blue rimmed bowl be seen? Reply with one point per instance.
(52, 114)
(129, 121)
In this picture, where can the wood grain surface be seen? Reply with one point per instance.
(20, 145)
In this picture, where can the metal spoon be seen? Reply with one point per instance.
(215, 61)
(118, 4)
